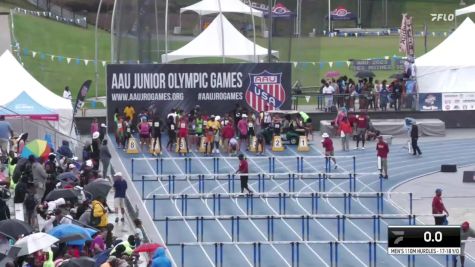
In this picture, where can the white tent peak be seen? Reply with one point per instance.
(449, 67)
(454, 50)
(465, 10)
(206, 7)
(217, 41)
(15, 80)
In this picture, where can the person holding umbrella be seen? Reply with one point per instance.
(160, 259)
(99, 216)
(243, 171)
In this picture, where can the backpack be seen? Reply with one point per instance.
(94, 221)
(30, 202)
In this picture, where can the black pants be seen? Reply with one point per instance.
(415, 147)
(439, 220)
(244, 180)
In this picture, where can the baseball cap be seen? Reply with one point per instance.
(244, 115)
(89, 163)
(72, 166)
(325, 135)
(465, 225)
(117, 174)
(95, 135)
(438, 190)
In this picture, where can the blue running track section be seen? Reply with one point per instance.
(291, 220)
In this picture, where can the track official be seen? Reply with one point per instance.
(243, 171)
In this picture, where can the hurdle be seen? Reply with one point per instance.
(294, 246)
(320, 180)
(187, 162)
(236, 221)
(282, 197)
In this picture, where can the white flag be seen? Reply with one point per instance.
(307, 98)
(348, 63)
(330, 64)
(86, 61)
(68, 59)
(104, 63)
(33, 53)
(295, 64)
(52, 57)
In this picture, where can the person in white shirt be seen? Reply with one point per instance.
(328, 91)
(67, 93)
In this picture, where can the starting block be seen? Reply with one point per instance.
(132, 147)
(253, 144)
(303, 144)
(202, 148)
(157, 146)
(181, 146)
(277, 144)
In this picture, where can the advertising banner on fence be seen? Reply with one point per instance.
(458, 101)
(430, 102)
(216, 88)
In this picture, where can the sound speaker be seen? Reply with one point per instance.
(469, 177)
(448, 168)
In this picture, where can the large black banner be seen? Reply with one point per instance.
(215, 87)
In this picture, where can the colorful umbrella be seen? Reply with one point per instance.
(147, 247)
(332, 74)
(38, 148)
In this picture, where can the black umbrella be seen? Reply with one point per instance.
(13, 228)
(364, 74)
(67, 176)
(80, 262)
(62, 193)
(397, 76)
(98, 188)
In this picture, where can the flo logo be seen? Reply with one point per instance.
(265, 91)
(442, 17)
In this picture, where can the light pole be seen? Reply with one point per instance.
(96, 48)
(329, 17)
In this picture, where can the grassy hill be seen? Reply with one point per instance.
(44, 35)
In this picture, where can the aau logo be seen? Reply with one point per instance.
(265, 91)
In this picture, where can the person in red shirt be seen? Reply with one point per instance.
(438, 207)
(361, 126)
(383, 150)
(227, 133)
(183, 131)
(243, 171)
(345, 131)
(327, 143)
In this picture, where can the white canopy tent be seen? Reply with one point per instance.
(219, 39)
(449, 67)
(15, 80)
(465, 10)
(207, 7)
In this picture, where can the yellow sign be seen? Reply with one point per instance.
(253, 145)
(181, 146)
(157, 146)
(277, 143)
(132, 147)
(303, 144)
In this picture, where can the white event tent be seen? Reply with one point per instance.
(219, 39)
(465, 10)
(16, 81)
(207, 7)
(449, 67)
